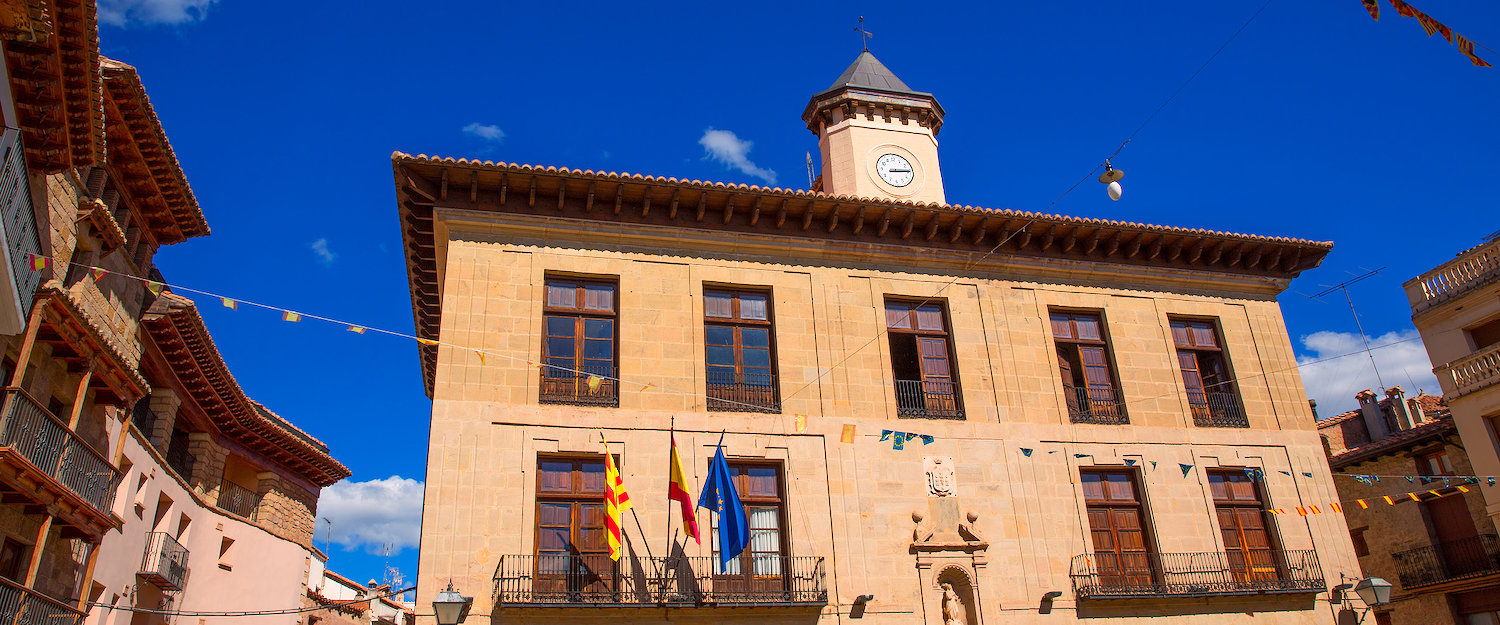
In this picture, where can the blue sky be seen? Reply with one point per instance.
(1317, 123)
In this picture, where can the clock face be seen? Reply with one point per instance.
(894, 169)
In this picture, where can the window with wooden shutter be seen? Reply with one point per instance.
(922, 360)
(572, 549)
(1083, 360)
(740, 355)
(1212, 396)
(763, 566)
(1244, 526)
(1122, 547)
(578, 343)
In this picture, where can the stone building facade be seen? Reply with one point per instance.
(1111, 406)
(1442, 568)
(1456, 308)
(120, 421)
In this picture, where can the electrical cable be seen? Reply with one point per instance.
(235, 613)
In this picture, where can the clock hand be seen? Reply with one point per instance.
(906, 171)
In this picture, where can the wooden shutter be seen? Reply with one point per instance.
(937, 375)
(1096, 375)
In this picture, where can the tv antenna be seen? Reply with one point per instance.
(1344, 286)
(809, 171)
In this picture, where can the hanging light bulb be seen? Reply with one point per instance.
(1111, 177)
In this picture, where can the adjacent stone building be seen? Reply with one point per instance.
(1443, 568)
(135, 476)
(1102, 411)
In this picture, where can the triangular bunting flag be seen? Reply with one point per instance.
(427, 342)
(1373, 6)
(98, 273)
(154, 287)
(1186, 469)
(1026, 451)
(927, 440)
(1080, 455)
(1153, 465)
(594, 383)
(1492, 481)
(480, 354)
(1286, 473)
(1130, 462)
(885, 435)
(1307, 474)
(229, 303)
(1467, 48)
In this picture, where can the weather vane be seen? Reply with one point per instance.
(864, 35)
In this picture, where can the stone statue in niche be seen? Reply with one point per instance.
(941, 481)
(953, 608)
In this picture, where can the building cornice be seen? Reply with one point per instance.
(139, 150)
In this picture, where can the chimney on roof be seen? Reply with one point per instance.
(1405, 420)
(1313, 403)
(1369, 408)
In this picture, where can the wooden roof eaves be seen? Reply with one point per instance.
(127, 98)
(220, 393)
(54, 76)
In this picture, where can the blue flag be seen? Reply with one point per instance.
(719, 496)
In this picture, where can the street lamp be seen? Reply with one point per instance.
(1374, 591)
(451, 608)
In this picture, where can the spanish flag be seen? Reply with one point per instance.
(616, 502)
(677, 490)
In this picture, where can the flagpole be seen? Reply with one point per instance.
(671, 442)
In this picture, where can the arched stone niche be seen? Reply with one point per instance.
(962, 582)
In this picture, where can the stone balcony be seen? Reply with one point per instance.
(1472, 373)
(1471, 270)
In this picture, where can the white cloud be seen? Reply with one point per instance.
(320, 248)
(147, 12)
(723, 146)
(1400, 355)
(373, 514)
(488, 132)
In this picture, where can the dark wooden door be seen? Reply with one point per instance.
(1102, 397)
(1457, 538)
(938, 389)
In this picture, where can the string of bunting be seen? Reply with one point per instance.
(1432, 26)
(594, 382)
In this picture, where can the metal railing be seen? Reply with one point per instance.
(1471, 270)
(1473, 372)
(576, 580)
(165, 562)
(180, 459)
(1101, 405)
(1446, 561)
(144, 417)
(238, 500)
(1217, 410)
(18, 218)
(46, 442)
(928, 399)
(743, 392)
(590, 385)
(23, 606)
(1196, 574)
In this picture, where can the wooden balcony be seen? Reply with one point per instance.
(1471, 270)
(593, 581)
(1205, 574)
(23, 606)
(1471, 374)
(46, 465)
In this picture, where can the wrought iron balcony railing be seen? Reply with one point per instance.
(1472, 373)
(1217, 410)
(46, 442)
(928, 399)
(1448, 561)
(1471, 270)
(180, 459)
(18, 219)
(165, 562)
(593, 580)
(1102, 576)
(589, 385)
(23, 606)
(238, 500)
(743, 392)
(1102, 405)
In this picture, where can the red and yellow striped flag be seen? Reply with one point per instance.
(799, 422)
(1315, 510)
(677, 490)
(1362, 504)
(1414, 496)
(290, 316)
(1301, 511)
(1336, 507)
(616, 502)
(848, 435)
(1388, 499)
(1462, 489)
(38, 262)
(98, 273)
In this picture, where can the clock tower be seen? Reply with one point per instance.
(877, 137)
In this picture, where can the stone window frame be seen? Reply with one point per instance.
(768, 399)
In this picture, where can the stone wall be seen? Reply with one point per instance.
(286, 509)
